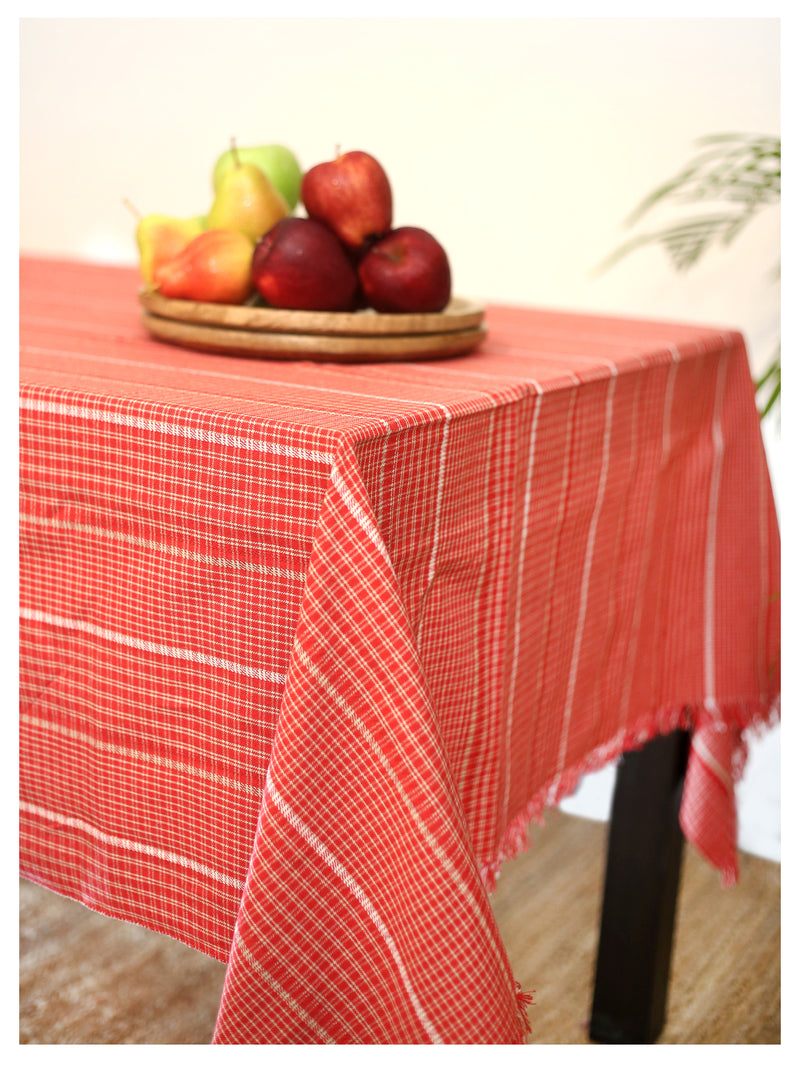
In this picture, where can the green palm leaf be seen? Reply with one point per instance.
(741, 170)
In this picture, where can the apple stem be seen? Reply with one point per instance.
(338, 151)
(133, 210)
(235, 153)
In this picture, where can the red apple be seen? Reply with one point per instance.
(300, 264)
(352, 195)
(406, 271)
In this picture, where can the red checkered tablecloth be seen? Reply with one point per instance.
(305, 647)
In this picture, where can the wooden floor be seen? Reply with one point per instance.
(86, 979)
(725, 984)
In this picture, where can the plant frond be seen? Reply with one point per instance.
(773, 398)
(747, 172)
(771, 378)
(773, 369)
(684, 241)
(740, 169)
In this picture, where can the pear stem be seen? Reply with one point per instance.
(234, 153)
(133, 210)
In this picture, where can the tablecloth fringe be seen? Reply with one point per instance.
(747, 717)
(524, 1001)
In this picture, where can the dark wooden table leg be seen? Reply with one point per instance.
(645, 848)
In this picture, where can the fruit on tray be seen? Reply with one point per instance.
(352, 195)
(160, 238)
(214, 267)
(278, 163)
(247, 201)
(300, 264)
(343, 255)
(406, 271)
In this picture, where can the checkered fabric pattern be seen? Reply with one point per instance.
(305, 647)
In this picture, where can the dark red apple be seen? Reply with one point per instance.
(406, 271)
(300, 264)
(352, 195)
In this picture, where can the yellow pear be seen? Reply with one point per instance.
(161, 237)
(247, 201)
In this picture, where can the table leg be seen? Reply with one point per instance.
(645, 848)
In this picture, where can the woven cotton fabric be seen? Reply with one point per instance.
(304, 647)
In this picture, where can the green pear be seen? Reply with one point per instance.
(247, 201)
(278, 163)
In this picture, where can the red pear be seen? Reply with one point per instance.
(300, 264)
(352, 195)
(406, 271)
(214, 267)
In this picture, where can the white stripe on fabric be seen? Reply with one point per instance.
(175, 429)
(340, 871)
(666, 442)
(439, 494)
(285, 997)
(699, 746)
(549, 595)
(130, 846)
(151, 646)
(436, 524)
(526, 508)
(289, 385)
(172, 550)
(362, 728)
(358, 513)
(636, 624)
(587, 568)
(473, 717)
(763, 552)
(137, 754)
(709, 636)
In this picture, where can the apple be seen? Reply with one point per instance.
(277, 162)
(301, 265)
(352, 195)
(406, 271)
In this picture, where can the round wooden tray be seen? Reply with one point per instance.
(359, 336)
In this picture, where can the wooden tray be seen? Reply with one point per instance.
(360, 336)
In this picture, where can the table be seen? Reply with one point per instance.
(306, 647)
